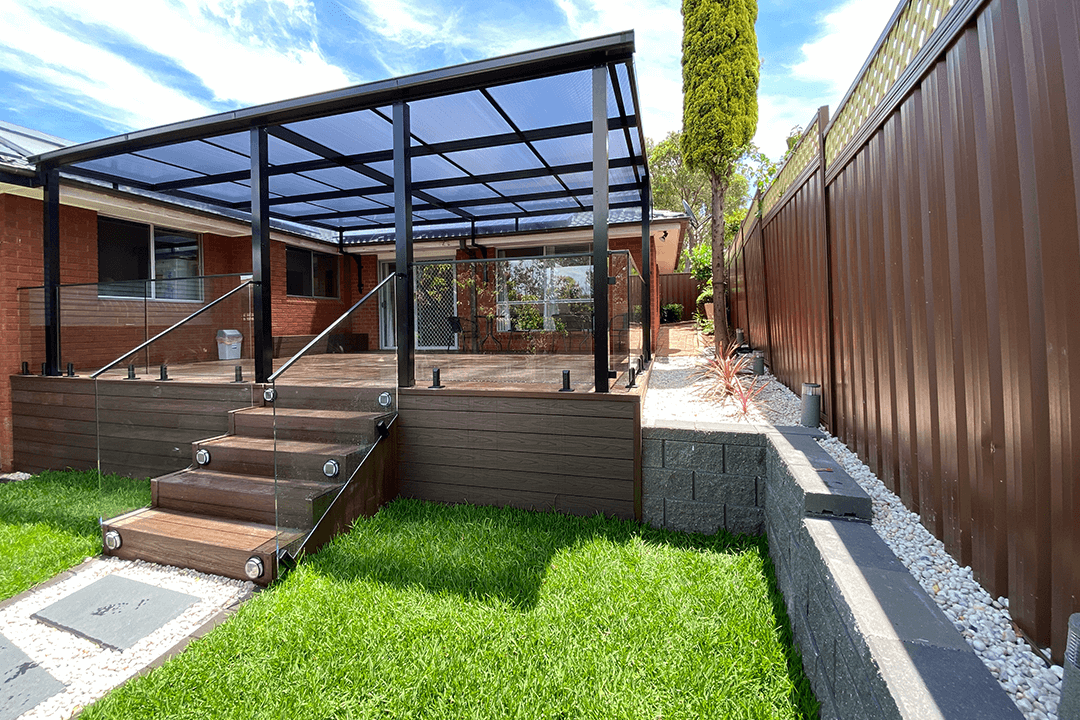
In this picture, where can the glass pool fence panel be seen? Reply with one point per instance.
(619, 308)
(148, 421)
(325, 403)
(505, 322)
(31, 317)
(214, 346)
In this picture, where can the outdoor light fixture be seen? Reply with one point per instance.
(759, 362)
(385, 399)
(436, 383)
(202, 456)
(71, 370)
(25, 368)
(239, 371)
(131, 373)
(164, 375)
(330, 468)
(253, 568)
(112, 540)
(269, 395)
(811, 405)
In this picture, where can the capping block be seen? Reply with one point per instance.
(826, 489)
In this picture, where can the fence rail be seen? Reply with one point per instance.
(919, 257)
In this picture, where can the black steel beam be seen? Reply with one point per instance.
(403, 248)
(569, 57)
(499, 200)
(646, 271)
(613, 73)
(601, 348)
(450, 146)
(50, 228)
(521, 174)
(262, 327)
(503, 216)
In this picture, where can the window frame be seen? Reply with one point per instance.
(152, 230)
(311, 273)
(551, 305)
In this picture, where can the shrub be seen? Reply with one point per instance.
(672, 312)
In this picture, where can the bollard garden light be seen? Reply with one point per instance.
(811, 405)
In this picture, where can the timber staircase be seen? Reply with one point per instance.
(227, 514)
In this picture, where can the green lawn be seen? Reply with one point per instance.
(428, 611)
(50, 522)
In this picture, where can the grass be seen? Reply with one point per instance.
(50, 522)
(430, 611)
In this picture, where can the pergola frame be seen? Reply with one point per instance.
(189, 176)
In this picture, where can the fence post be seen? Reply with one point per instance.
(823, 119)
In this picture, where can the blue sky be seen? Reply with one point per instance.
(86, 69)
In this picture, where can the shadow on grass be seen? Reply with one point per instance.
(70, 499)
(484, 552)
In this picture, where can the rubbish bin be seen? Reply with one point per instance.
(228, 344)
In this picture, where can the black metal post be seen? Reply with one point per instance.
(600, 228)
(403, 247)
(261, 326)
(50, 225)
(646, 269)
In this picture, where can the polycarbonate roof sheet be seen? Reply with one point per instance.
(331, 158)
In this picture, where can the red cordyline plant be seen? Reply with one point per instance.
(722, 374)
(746, 396)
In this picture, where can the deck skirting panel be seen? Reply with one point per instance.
(574, 453)
(146, 427)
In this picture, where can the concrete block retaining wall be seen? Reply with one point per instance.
(873, 643)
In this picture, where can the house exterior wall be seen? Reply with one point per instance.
(95, 330)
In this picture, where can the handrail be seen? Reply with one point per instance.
(288, 363)
(163, 333)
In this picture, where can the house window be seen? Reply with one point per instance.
(537, 292)
(310, 274)
(131, 253)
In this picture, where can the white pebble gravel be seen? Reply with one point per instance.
(983, 620)
(88, 670)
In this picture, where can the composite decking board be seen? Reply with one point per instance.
(145, 386)
(89, 427)
(258, 444)
(527, 442)
(518, 481)
(507, 461)
(175, 525)
(121, 404)
(439, 492)
(160, 418)
(576, 406)
(512, 422)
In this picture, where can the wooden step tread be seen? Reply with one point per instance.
(238, 534)
(242, 442)
(342, 415)
(199, 478)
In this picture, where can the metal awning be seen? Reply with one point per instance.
(496, 145)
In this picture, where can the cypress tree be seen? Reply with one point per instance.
(720, 82)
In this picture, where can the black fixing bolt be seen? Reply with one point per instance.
(566, 382)
(435, 383)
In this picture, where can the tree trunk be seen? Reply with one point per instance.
(719, 266)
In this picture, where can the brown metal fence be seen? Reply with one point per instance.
(928, 279)
(680, 288)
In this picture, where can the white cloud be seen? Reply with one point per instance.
(826, 68)
(657, 27)
(845, 39)
(213, 40)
